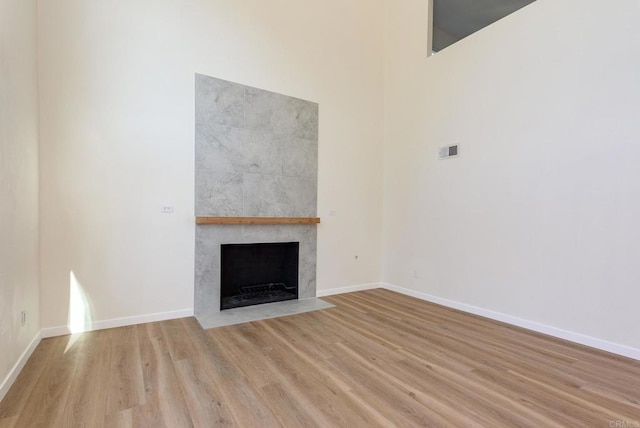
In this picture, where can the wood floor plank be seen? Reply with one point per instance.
(310, 355)
(196, 383)
(253, 351)
(9, 422)
(499, 358)
(378, 358)
(24, 385)
(397, 404)
(178, 340)
(43, 408)
(247, 355)
(288, 409)
(122, 419)
(126, 384)
(87, 399)
(309, 385)
(164, 403)
(335, 383)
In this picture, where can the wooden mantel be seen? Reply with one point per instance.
(257, 220)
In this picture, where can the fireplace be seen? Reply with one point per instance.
(256, 157)
(253, 274)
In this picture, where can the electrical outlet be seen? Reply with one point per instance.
(23, 318)
(168, 209)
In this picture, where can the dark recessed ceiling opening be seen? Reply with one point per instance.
(454, 20)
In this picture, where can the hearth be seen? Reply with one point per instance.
(253, 274)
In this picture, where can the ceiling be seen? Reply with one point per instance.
(456, 19)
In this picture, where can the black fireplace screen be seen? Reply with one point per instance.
(252, 274)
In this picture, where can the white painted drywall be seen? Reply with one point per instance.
(19, 254)
(538, 217)
(117, 137)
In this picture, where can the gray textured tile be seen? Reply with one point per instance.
(305, 200)
(207, 292)
(255, 152)
(210, 154)
(205, 257)
(279, 196)
(229, 149)
(218, 193)
(307, 280)
(260, 233)
(260, 312)
(267, 196)
(299, 158)
(208, 240)
(308, 251)
(307, 120)
(218, 102)
(281, 114)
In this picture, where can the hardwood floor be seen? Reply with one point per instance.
(377, 359)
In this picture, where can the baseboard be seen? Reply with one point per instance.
(582, 339)
(19, 365)
(119, 322)
(349, 289)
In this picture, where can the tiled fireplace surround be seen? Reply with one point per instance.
(256, 156)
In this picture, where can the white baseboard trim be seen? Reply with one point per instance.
(19, 365)
(349, 289)
(582, 339)
(119, 322)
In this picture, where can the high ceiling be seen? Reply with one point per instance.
(456, 19)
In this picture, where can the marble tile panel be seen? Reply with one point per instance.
(307, 279)
(207, 290)
(299, 157)
(229, 149)
(305, 198)
(255, 153)
(267, 196)
(205, 249)
(210, 153)
(275, 196)
(218, 102)
(208, 240)
(281, 114)
(218, 193)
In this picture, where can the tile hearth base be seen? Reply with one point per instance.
(261, 312)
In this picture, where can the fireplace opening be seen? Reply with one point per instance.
(253, 274)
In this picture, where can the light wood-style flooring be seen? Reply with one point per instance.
(377, 359)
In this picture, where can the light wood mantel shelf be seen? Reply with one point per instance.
(257, 220)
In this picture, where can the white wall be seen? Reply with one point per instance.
(19, 271)
(538, 217)
(117, 138)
